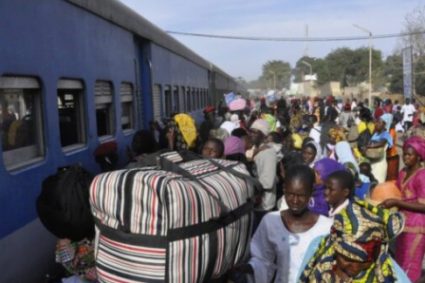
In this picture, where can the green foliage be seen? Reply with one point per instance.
(419, 78)
(394, 73)
(276, 72)
(319, 67)
(351, 67)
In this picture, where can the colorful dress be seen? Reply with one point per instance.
(360, 232)
(410, 245)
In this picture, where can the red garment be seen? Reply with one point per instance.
(209, 109)
(378, 113)
(105, 149)
(388, 108)
(415, 121)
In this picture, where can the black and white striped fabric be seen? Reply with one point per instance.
(160, 226)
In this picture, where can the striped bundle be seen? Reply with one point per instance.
(237, 105)
(158, 226)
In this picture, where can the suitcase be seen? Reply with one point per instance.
(177, 222)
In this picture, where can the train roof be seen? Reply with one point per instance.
(121, 15)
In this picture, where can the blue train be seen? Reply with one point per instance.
(74, 74)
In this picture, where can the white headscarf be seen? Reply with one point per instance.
(345, 155)
(318, 152)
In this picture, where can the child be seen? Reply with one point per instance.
(366, 169)
(213, 148)
(281, 240)
(339, 187)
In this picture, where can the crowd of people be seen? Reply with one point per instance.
(335, 205)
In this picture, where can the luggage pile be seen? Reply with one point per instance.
(185, 220)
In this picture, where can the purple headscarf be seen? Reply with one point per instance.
(418, 144)
(323, 168)
(233, 145)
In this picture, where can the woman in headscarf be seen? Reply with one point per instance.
(336, 134)
(382, 140)
(234, 150)
(410, 246)
(356, 250)
(323, 167)
(311, 153)
(345, 156)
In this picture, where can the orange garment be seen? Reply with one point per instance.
(393, 151)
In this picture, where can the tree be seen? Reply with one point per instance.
(319, 67)
(351, 67)
(394, 73)
(419, 78)
(339, 64)
(415, 24)
(277, 74)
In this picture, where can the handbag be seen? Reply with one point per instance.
(375, 153)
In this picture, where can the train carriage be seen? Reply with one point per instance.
(74, 74)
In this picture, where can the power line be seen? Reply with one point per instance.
(297, 39)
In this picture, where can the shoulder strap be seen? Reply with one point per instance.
(168, 165)
(258, 187)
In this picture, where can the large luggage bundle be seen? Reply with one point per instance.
(188, 223)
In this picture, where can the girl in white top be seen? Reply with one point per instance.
(281, 240)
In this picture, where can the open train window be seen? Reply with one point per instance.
(127, 113)
(104, 109)
(21, 121)
(157, 103)
(189, 100)
(71, 113)
(176, 99)
(168, 100)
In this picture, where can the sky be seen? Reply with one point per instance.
(274, 18)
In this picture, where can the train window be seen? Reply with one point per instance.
(189, 100)
(127, 113)
(183, 92)
(157, 103)
(168, 100)
(176, 99)
(104, 109)
(71, 112)
(21, 121)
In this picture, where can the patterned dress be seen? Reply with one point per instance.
(410, 245)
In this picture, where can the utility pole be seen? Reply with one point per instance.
(274, 79)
